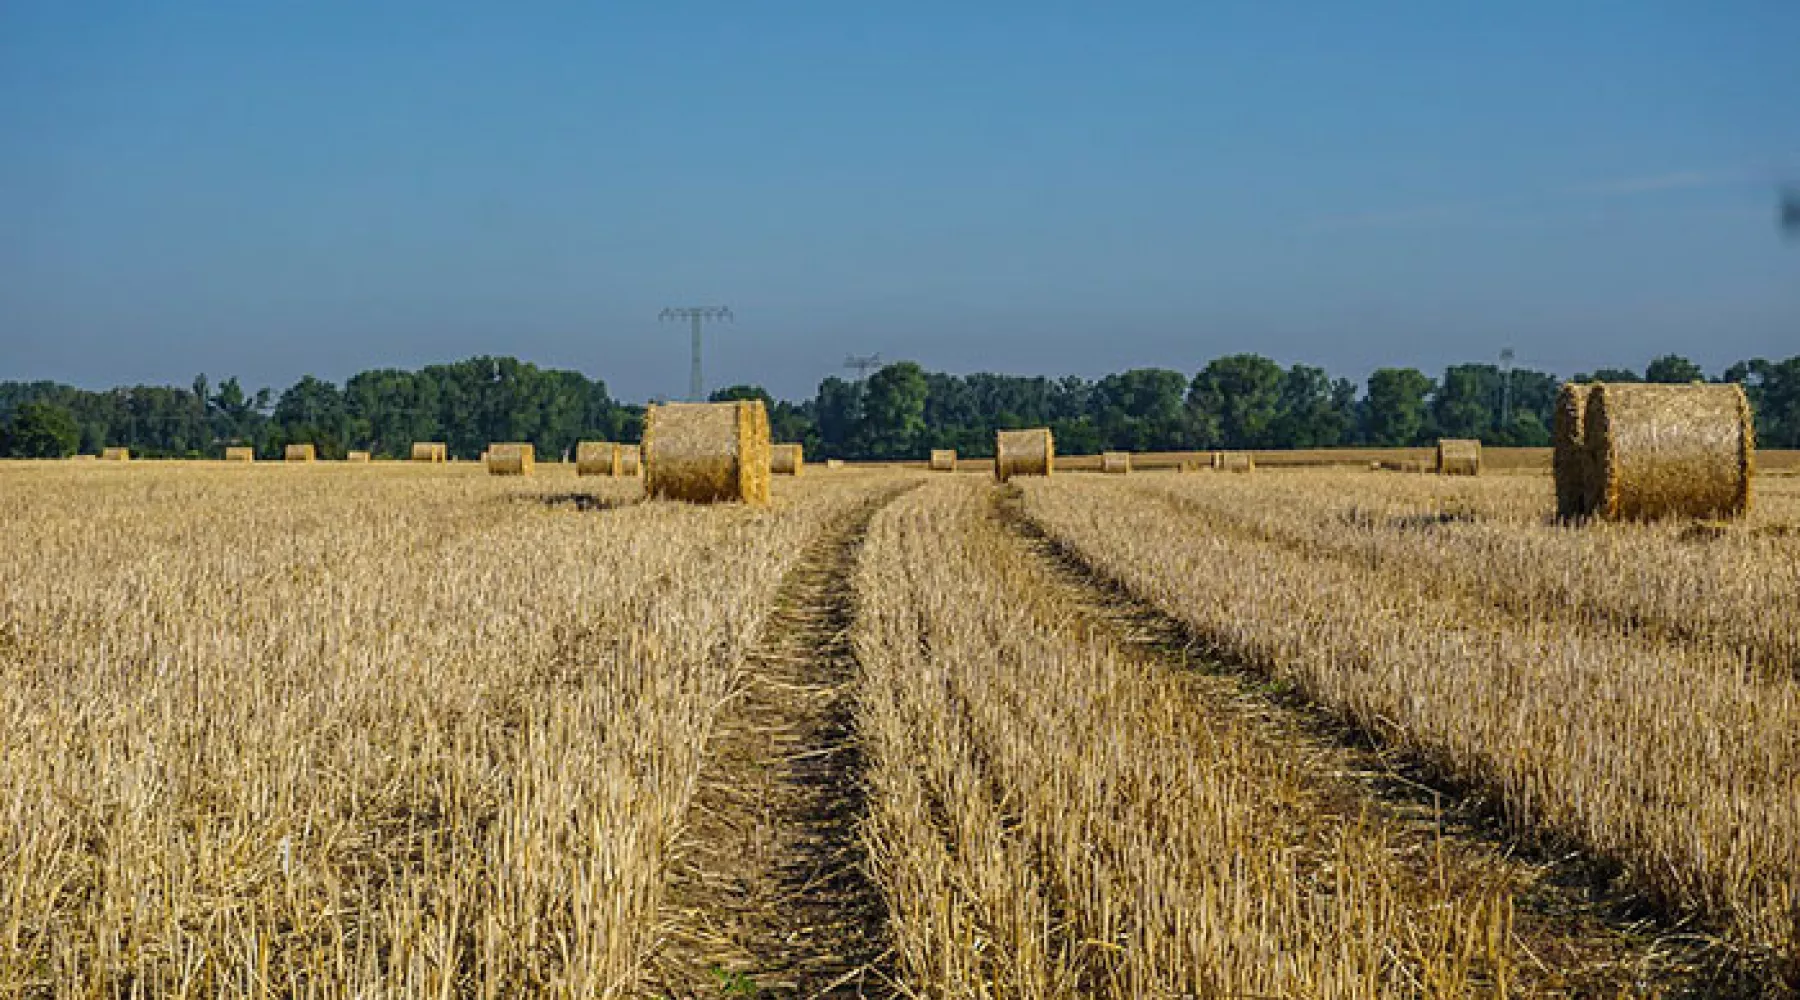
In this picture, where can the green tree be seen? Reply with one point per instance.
(1142, 410)
(1467, 402)
(1394, 412)
(1673, 369)
(893, 415)
(838, 410)
(1608, 375)
(42, 430)
(1241, 396)
(1315, 412)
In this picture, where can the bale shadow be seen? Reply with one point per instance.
(582, 502)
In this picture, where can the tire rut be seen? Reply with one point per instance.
(1574, 920)
(769, 890)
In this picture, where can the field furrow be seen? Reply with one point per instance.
(414, 736)
(1682, 767)
(768, 887)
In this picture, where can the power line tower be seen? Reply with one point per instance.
(861, 363)
(1506, 369)
(696, 315)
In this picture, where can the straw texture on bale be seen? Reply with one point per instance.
(786, 459)
(514, 458)
(943, 459)
(1217, 460)
(1115, 462)
(115, 454)
(1669, 451)
(631, 460)
(430, 451)
(300, 453)
(1024, 453)
(1458, 457)
(707, 452)
(1236, 461)
(240, 453)
(356, 456)
(1570, 461)
(597, 458)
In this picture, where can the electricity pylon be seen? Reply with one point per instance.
(697, 315)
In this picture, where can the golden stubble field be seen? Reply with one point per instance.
(397, 730)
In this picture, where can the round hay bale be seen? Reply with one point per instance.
(943, 460)
(834, 463)
(1115, 463)
(597, 458)
(511, 458)
(1458, 457)
(240, 453)
(430, 451)
(1024, 453)
(356, 456)
(1570, 462)
(1235, 461)
(707, 452)
(631, 460)
(115, 454)
(786, 459)
(299, 453)
(1669, 451)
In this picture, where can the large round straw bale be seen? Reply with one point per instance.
(240, 453)
(1115, 462)
(787, 459)
(1236, 461)
(430, 451)
(707, 452)
(1458, 457)
(1024, 453)
(631, 460)
(511, 458)
(1570, 462)
(115, 454)
(597, 458)
(300, 453)
(356, 456)
(1670, 450)
(943, 459)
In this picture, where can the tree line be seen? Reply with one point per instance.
(899, 412)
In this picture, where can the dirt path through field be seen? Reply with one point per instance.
(769, 893)
(1573, 929)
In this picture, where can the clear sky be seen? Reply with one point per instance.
(270, 190)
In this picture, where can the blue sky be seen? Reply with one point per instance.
(273, 190)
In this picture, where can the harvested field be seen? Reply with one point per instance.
(408, 729)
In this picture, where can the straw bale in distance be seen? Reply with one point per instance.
(597, 458)
(834, 463)
(787, 459)
(300, 453)
(1236, 461)
(1115, 462)
(430, 451)
(240, 453)
(631, 460)
(1458, 457)
(943, 459)
(1669, 451)
(1570, 461)
(707, 452)
(1024, 453)
(115, 454)
(356, 456)
(513, 458)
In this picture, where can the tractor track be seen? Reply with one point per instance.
(769, 890)
(1575, 920)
